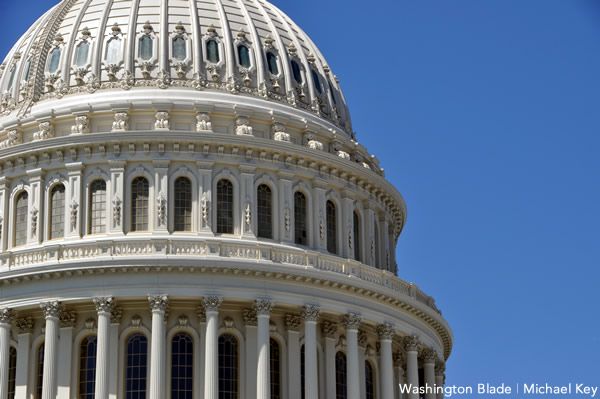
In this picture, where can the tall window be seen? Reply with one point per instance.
(182, 366)
(113, 51)
(81, 59)
(369, 380)
(21, 219)
(146, 48)
(54, 60)
(341, 382)
(87, 367)
(179, 48)
(296, 72)
(224, 207)
(332, 91)
(331, 228)
(136, 365)
(302, 372)
(300, 229)
(228, 367)
(57, 212)
(244, 56)
(275, 358)
(97, 209)
(356, 233)
(183, 204)
(264, 209)
(212, 51)
(12, 372)
(272, 63)
(317, 81)
(140, 192)
(39, 372)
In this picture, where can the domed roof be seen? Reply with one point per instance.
(248, 48)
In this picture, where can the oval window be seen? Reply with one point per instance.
(146, 48)
(82, 54)
(179, 48)
(317, 81)
(244, 56)
(212, 51)
(272, 63)
(296, 72)
(54, 60)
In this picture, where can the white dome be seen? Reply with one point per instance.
(81, 47)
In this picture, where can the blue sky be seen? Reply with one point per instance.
(485, 116)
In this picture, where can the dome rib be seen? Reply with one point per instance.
(102, 31)
(259, 54)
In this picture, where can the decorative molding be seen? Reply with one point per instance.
(201, 312)
(25, 325)
(203, 122)
(162, 121)
(90, 324)
(329, 329)
(121, 122)
(46, 131)
(351, 321)
(243, 127)
(292, 322)
(310, 312)
(51, 309)
(82, 125)
(411, 343)
(116, 314)
(362, 338)
(228, 323)
(158, 303)
(399, 360)
(250, 317)
(136, 321)
(263, 307)
(386, 331)
(67, 319)
(7, 316)
(104, 304)
(183, 321)
(429, 356)
(212, 303)
(279, 133)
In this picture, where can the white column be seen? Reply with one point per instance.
(115, 322)
(263, 308)
(429, 360)
(386, 335)
(199, 385)
(292, 323)
(311, 379)
(51, 312)
(412, 364)
(6, 318)
(211, 371)
(25, 327)
(158, 305)
(251, 321)
(104, 307)
(329, 331)
(363, 347)
(440, 367)
(399, 364)
(65, 349)
(352, 322)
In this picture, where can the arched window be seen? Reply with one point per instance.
(87, 367)
(97, 207)
(136, 358)
(57, 212)
(212, 51)
(331, 228)
(302, 372)
(183, 204)
(12, 372)
(54, 60)
(182, 366)
(341, 382)
(356, 233)
(228, 367)
(113, 51)
(300, 228)
(264, 214)
(83, 49)
(21, 219)
(39, 371)
(296, 72)
(272, 63)
(140, 191)
(224, 207)
(244, 56)
(317, 81)
(146, 48)
(369, 380)
(179, 48)
(275, 358)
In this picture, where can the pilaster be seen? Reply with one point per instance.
(66, 323)
(251, 322)
(158, 306)
(73, 201)
(311, 381)
(205, 197)
(351, 322)
(247, 201)
(292, 323)
(6, 318)
(161, 195)
(117, 197)
(25, 329)
(329, 332)
(4, 212)
(35, 207)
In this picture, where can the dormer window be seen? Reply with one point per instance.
(317, 81)
(296, 72)
(272, 63)
(54, 60)
(244, 56)
(179, 48)
(212, 51)
(83, 50)
(146, 48)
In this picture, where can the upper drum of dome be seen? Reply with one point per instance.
(242, 47)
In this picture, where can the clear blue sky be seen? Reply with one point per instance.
(486, 117)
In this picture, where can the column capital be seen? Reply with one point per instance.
(363, 338)
(386, 331)
(7, 315)
(158, 303)
(116, 314)
(212, 303)
(292, 322)
(440, 367)
(411, 343)
(329, 329)
(24, 325)
(51, 309)
(201, 312)
(310, 312)
(429, 356)
(67, 319)
(263, 307)
(250, 317)
(104, 304)
(399, 360)
(351, 321)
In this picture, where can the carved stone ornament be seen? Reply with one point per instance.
(104, 304)
(121, 122)
(310, 312)
(386, 331)
(82, 125)
(24, 325)
(279, 133)
(322, 227)
(46, 131)
(263, 307)
(158, 303)
(362, 339)
(351, 321)
(287, 218)
(411, 343)
(250, 317)
(67, 319)
(212, 303)
(74, 210)
(310, 138)
(13, 137)
(51, 309)
(369, 351)
(183, 321)
(243, 127)
(248, 216)
(205, 207)
(203, 122)
(162, 121)
(161, 209)
(429, 356)
(329, 329)
(90, 324)
(228, 323)
(341, 342)
(201, 312)
(136, 321)
(7, 316)
(399, 359)
(116, 202)
(292, 322)
(116, 315)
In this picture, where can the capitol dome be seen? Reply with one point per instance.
(186, 212)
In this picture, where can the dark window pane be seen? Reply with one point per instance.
(212, 50)
(182, 366)
(146, 48)
(296, 72)
(300, 226)
(183, 204)
(21, 219)
(331, 228)
(341, 383)
(264, 211)
(87, 367)
(369, 380)
(356, 237)
(224, 207)
(39, 370)
(57, 212)
(139, 204)
(228, 367)
(12, 372)
(244, 56)
(135, 367)
(317, 81)
(275, 358)
(272, 63)
(97, 207)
